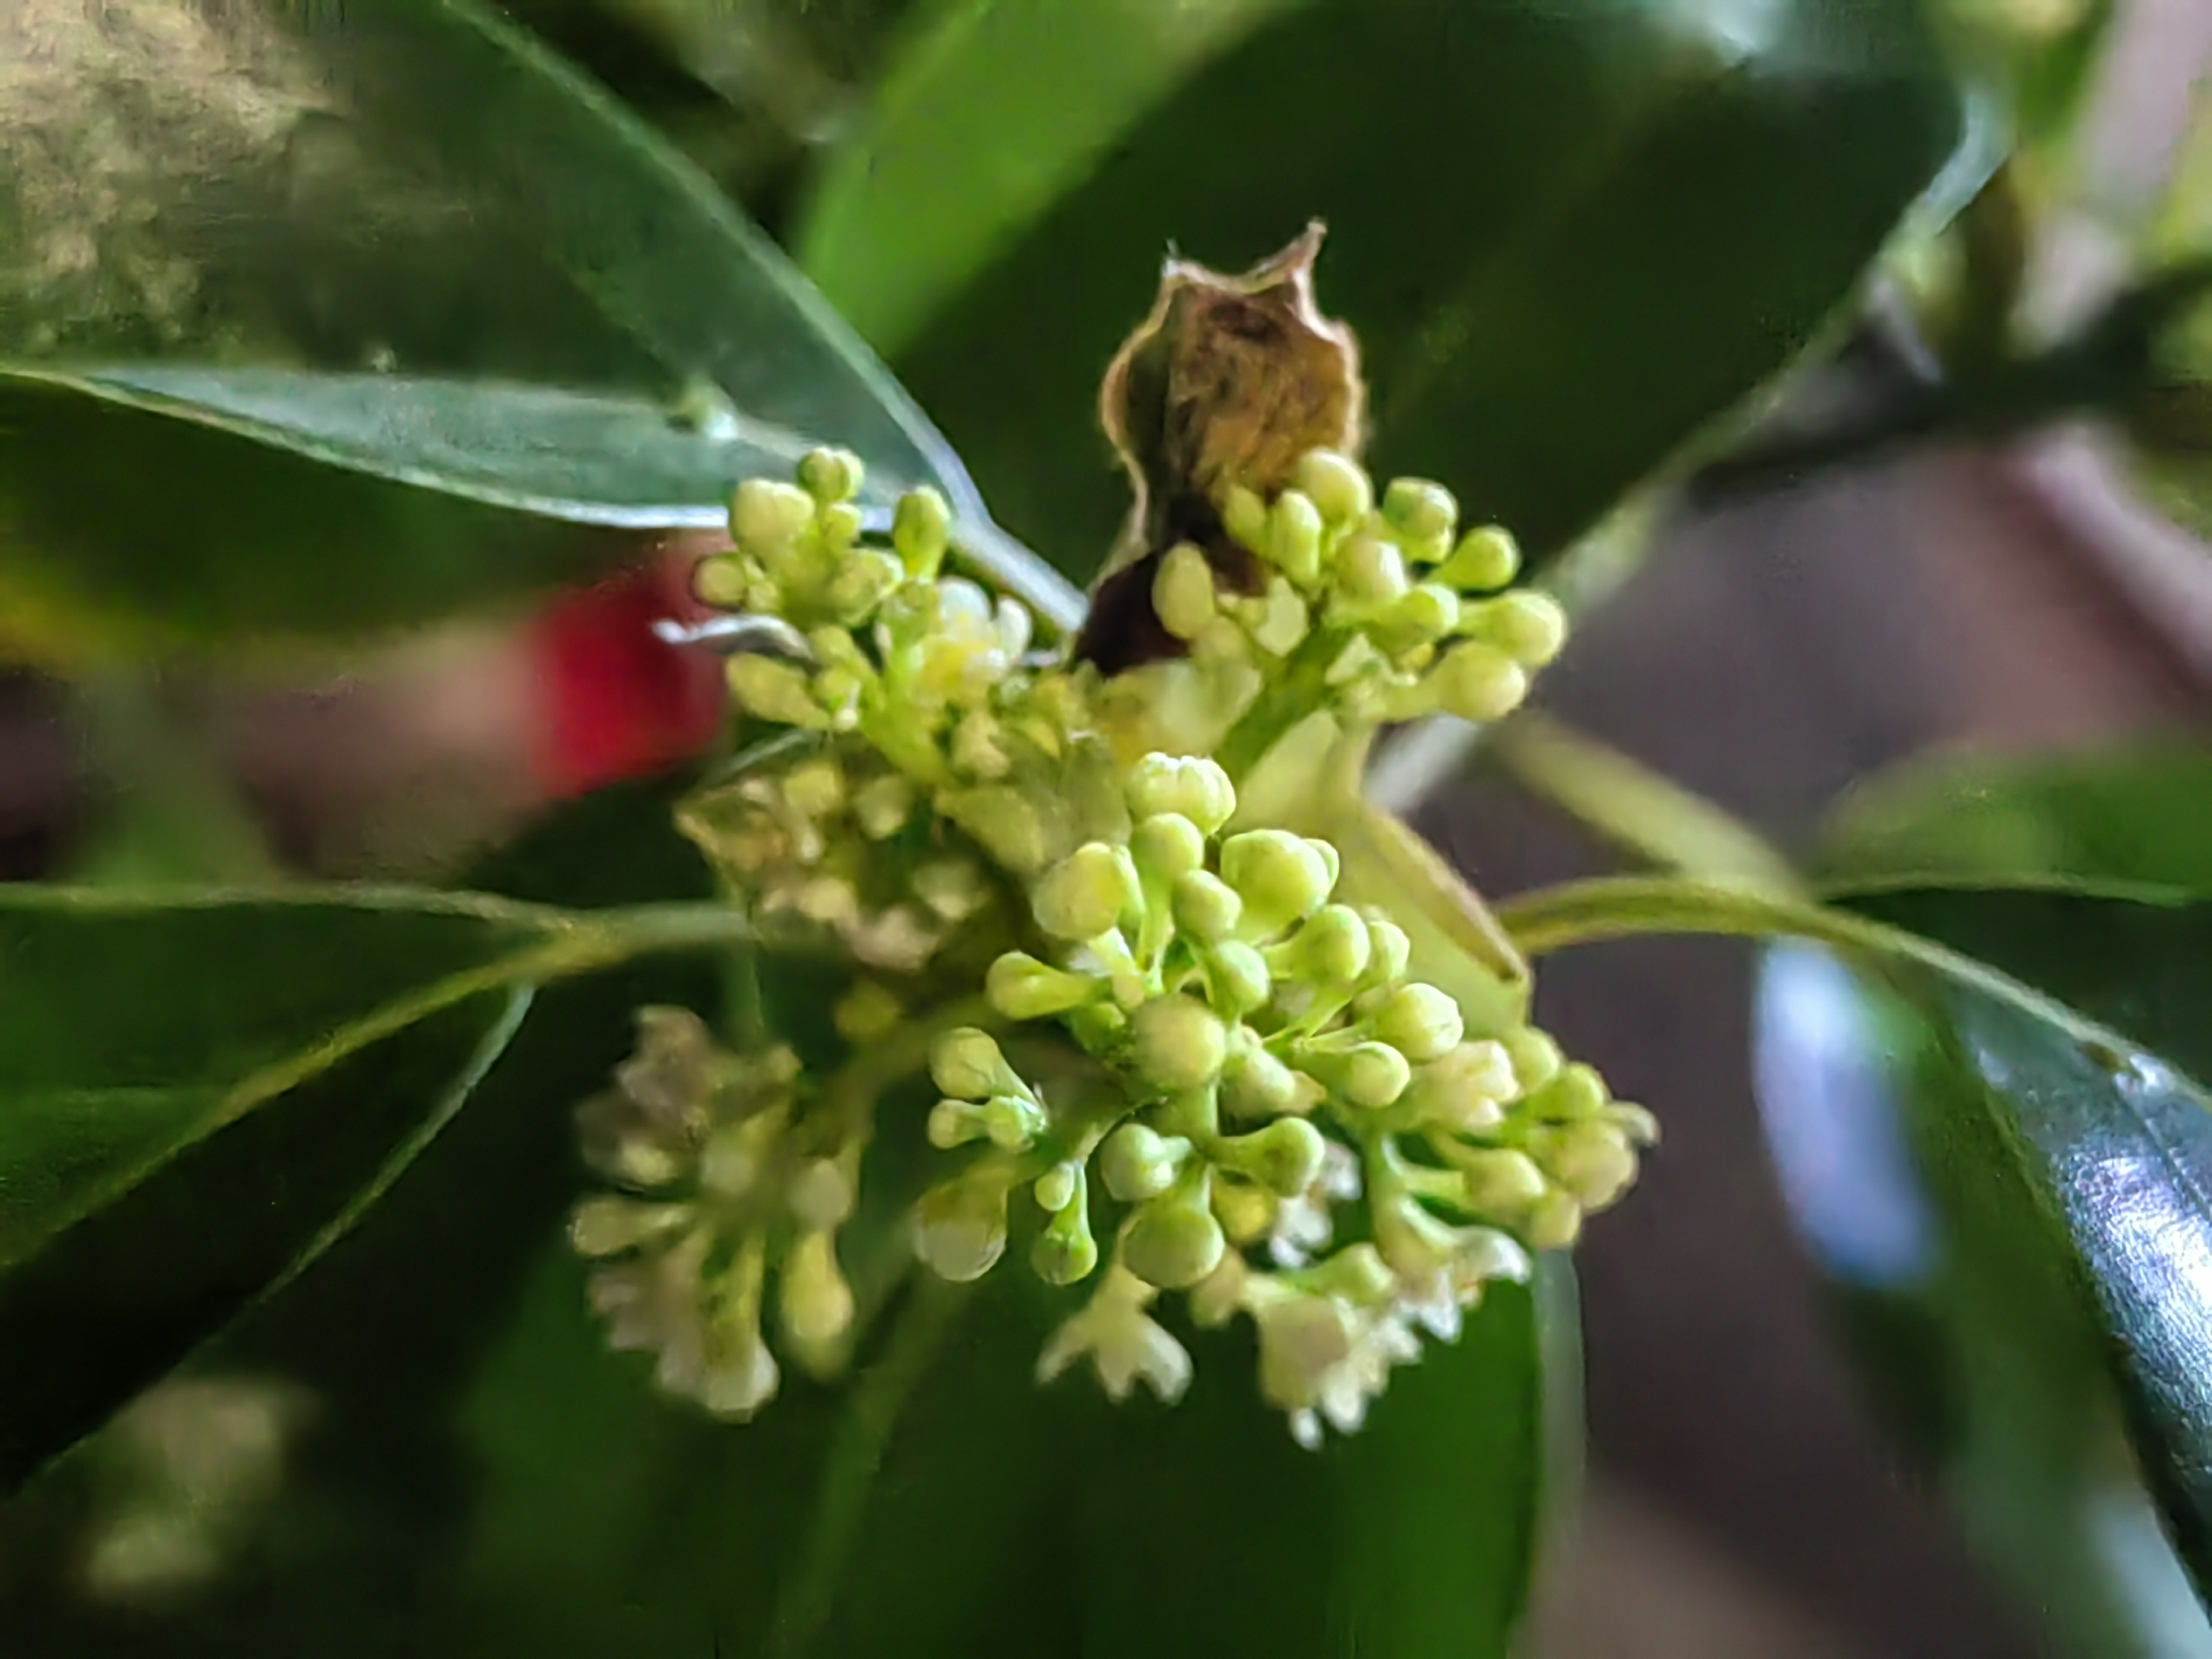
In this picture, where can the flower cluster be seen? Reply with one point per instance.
(1385, 611)
(1276, 1062)
(727, 1192)
(1245, 1097)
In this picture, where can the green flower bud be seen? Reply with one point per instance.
(1368, 1074)
(1486, 559)
(722, 581)
(1294, 537)
(1478, 683)
(830, 474)
(1465, 1090)
(1332, 949)
(839, 524)
(814, 1301)
(1237, 982)
(1284, 1158)
(820, 1194)
(1371, 572)
(1418, 510)
(865, 579)
(1138, 1164)
(1419, 1021)
(960, 1224)
(1529, 627)
(1097, 1026)
(1182, 592)
(1020, 986)
(1535, 1058)
(1088, 892)
(1206, 908)
(1188, 785)
(1168, 846)
(1003, 821)
(1641, 1128)
(1245, 516)
(1592, 1159)
(1575, 1092)
(867, 1012)
(1358, 1274)
(774, 691)
(1065, 1252)
(1424, 615)
(967, 1064)
(1055, 1189)
(1500, 1181)
(609, 1226)
(1388, 951)
(1255, 1084)
(765, 514)
(1178, 1043)
(1281, 878)
(922, 528)
(1247, 1215)
(1337, 485)
(1556, 1222)
(1174, 1240)
(814, 788)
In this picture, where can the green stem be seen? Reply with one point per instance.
(848, 1476)
(850, 1097)
(1302, 689)
(1629, 907)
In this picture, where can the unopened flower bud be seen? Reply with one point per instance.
(764, 514)
(839, 524)
(1556, 1222)
(1088, 892)
(1206, 908)
(819, 1194)
(960, 1224)
(1635, 1123)
(814, 1301)
(774, 691)
(1191, 786)
(1255, 1084)
(1536, 1057)
(1284, 1158)
(1368, 1074)
(1418, 510)
(1419, 1021)
(967, 1064)
(830, 474)
(921, 527)
(1182, 592)
(1575, 1093)
(1359, 1273)
(1500, 1181)
(1178, 1043)
(1478, 683)
(1247, 1215)
(1137, 1163)
(1371, 572)
(1426, 615)
(1237, 982)
(1465, 1090)
(1529, 627)
(1294, 535)
(1281, 878)
(1174, 1240)
(1167, 846)
(1388, 951)
(864, 578)
(1065, 1252)
(609, 1226)
(1020, 986)
(1333, 947)
(1337, 484)
(1592, 1159)
(1486, 558)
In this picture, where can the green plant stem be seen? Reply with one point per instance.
(1610, 908)
(863, 1435)
(850, 1095)
(1302, 689)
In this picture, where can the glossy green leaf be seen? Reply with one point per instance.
(2106, 818)
(2012, 1200)
(209, 208)
(1568, 234)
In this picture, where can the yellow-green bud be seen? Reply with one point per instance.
(1255, 1084)
(1168, 846)
(1284, 1158)
(840, 524)
(1368, 1074)
(1281, 878)
(1065, 1252)
(765, 514)
(1088, 892)
(1500, 1181)
(1138, 1164)
(1055, 1189)
(774, 691)
(1556, 1222)
(1426, 615)
(868, 1011)
(1486, 558)
(960, 1224)
(1182, 592)
(1174, 1240)
(1371, 572)
(1206, 908)
(820, 1194)
(814, 1301)
(1419, 1021)
(1592, 1159)
(814, 788)
(1535, 1058)
(608, 1225)
(1294, 534)
(1247, 1213)
(1641, 1128)
(1245, 516)
(1337, 485)
(1418, 510)
(1359, 1273)
(1466, 1089)
(1575, 1092)
(722, 581)
(1333, 947)
(1188, 785)
(967, 1064)
(1004, 820)
(922, 528)
(1388, 951)
(1237, 982)
(1178, 1042)
(1478, 683)
(830, 474)
(1529, 627)
(1020, 986)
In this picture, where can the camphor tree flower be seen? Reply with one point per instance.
(1245, 1094)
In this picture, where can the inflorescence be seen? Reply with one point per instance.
(1256, 1103)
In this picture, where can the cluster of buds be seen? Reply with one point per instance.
(1274, 1061)
(727, 1202)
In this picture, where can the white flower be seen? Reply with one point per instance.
(1125, 1345)
(1303, 1224)
(1322, 1357)
(1442, 1269)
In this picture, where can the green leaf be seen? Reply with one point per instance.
(287, 191)
(1569, 235)
(2045, 1187)
(2109, 818)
